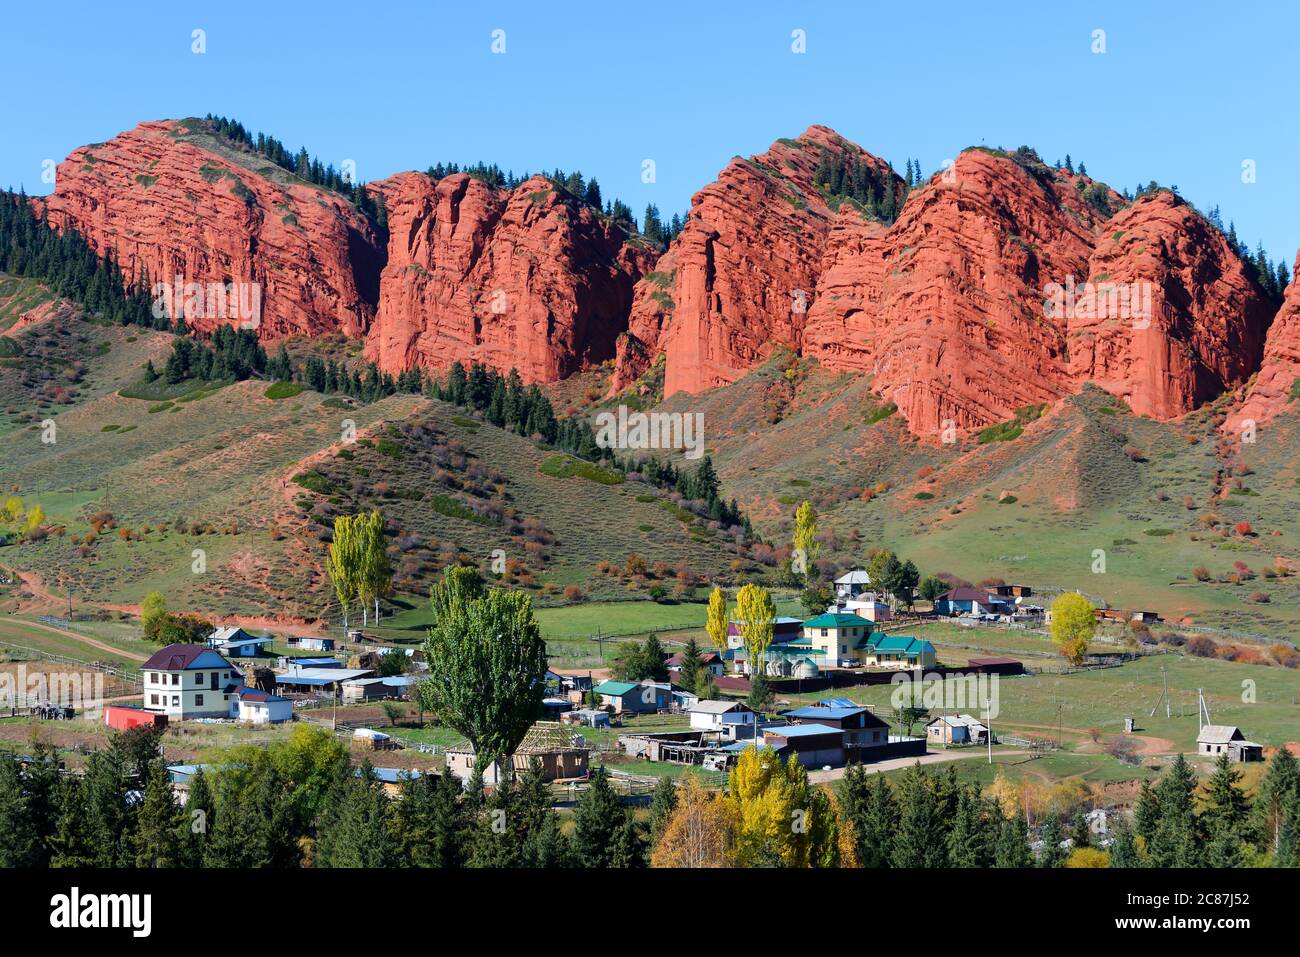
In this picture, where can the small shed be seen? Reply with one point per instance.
(261, 707)
(1216, 739)
(124, 717)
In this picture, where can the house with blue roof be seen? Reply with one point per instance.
(858, 723)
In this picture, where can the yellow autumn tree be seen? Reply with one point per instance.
(35, 518)
(780, 819)
(1087, 857)
(756, 613)
(805, 537)
(1074, 622)
(716, 624)
(701, 831)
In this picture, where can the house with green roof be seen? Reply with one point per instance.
(836, 639)
(899, 652)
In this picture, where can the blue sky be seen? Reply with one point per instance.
(1183, 94)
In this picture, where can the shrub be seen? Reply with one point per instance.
(1201, 573)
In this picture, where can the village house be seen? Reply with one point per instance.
(867, 605)
(956, 729)
(783, 630)
(815, 745)
(189, 681)
(395, 687)
(1013, 591)
(835, 638)
(234, 642)
(898, 652)
(326, 681)
(851, 584)
(261, 707)
(730, 719)
(1216, 739)
(860, 728)
(643, 697)
(309, 643)
(711, 660)
(971, 601)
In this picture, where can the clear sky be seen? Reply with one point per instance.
(1184, 92)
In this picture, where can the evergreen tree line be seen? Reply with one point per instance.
(307, 808)
(330, 377)
(303, 165)
(584, 190)
(505, 403)
(64, 261)
(854, 178)
(231, 354)
(301, 803)
(656, 230)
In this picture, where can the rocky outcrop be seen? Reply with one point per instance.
(170, 199)
(528, 278)
(1277, 386)
(1006, 283)
(740, 278)
(1177, 320)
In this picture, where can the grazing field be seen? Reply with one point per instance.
(1103, 698)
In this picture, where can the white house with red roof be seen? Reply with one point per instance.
(190, 681)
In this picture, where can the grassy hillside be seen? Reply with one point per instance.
(1159, 499)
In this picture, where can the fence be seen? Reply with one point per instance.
(23, 653)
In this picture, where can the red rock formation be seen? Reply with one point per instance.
(960, 310)
(740, 277)
(174, 200)
(529, 278)
(1275, 385)
(1201, 323)
(945, 308)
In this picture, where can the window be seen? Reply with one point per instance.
(176, 701)
(198, 701)
(153, 699)
(153, 676)
(824, 632)
(176, 679)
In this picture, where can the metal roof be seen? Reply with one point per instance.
(801, 730)
(182, 658)
(616, 688)
(816, 711)
(321, 676)
(855, 577)
(717, 707)
(1219, 734)
(836, 620)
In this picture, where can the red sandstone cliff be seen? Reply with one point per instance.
(174, 200)
(1275, 386)
(528, 278)
(741, 276)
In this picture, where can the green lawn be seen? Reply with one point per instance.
(1102, 699)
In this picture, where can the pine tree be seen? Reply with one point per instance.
(1051, 854)
(1268, 811)
(430, 823)
(195, 821)
(1012, 849)
(600, 835)
(354, 832)
(971, 838)
(1174, 843)
(1080, 834)
(1226, 807)
(868, 804)
(1146, 816)
(157, 838)
(18, 845)
(662, 805)
(70, 842)
(920, 839)
(1123, 848)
